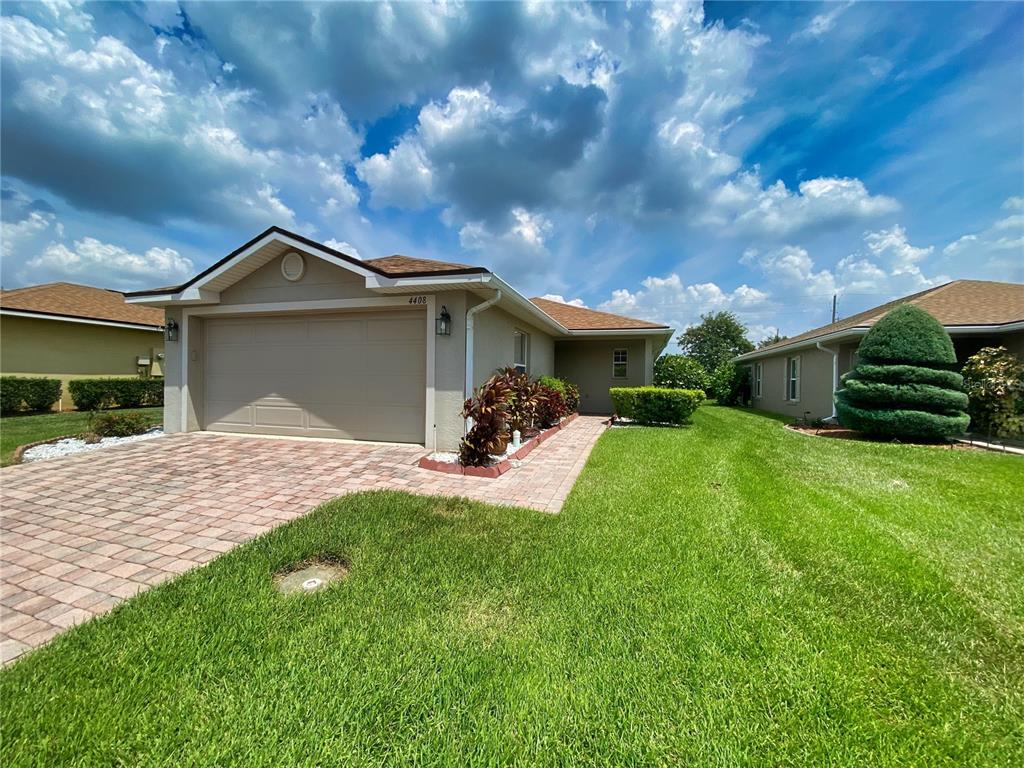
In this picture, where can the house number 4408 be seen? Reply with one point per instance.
(418, 300)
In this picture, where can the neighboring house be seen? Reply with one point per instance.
(798, 376)
(67, 331)
(286, 336)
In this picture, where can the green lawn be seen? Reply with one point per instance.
(725, 594)
(19, 430)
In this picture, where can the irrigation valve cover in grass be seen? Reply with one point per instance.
(904, 385)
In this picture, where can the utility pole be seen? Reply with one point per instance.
(834, 307)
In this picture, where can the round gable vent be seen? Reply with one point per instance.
(293, 266)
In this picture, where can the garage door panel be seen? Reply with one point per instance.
(229, 333)
(395, 329)
(229, 413)
(337, 332)
(281, 332)
(359, 376)
(279, 416)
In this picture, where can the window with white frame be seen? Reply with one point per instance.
(793, 379)
(620, 364)
(758, 370)
(520, 350)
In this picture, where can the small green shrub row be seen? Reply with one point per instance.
(655, 405)
(97, 394)
(119, 424)
(925, 397)
(898, 422)
(19, 393)
(910, 374)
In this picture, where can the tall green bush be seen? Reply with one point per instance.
(730, 384)
(22, 393)
(903, 386)
(680, 372)
(994, 380)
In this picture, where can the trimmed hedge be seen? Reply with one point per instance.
(655, 405)
(898, 422)
(903, 388)
(910, 374)
(908, 335)
(97, 394)
(915, 396)
(19, 393)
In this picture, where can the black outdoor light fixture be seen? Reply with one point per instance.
(443, 324)
(171, 330)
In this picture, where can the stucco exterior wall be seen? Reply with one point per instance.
(588, 365)
(815, 384)
(320, 280)
(450, 372)
(66, 351)
(494, 345)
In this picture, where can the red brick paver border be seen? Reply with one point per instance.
(78, 535)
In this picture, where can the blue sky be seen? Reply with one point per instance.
(656, 160)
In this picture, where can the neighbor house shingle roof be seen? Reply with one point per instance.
(583, 319)
(959, 303)
(81, 301)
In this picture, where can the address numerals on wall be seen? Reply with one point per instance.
(417, 299)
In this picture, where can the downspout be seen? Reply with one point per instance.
(470, 323)
(835, 374)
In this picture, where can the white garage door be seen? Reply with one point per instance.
(358, 376)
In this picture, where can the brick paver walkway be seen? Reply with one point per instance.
(80, 534)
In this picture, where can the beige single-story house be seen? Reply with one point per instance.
(286, 336)
(798, 376)
(67, 331)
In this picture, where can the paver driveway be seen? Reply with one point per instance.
(81, 534)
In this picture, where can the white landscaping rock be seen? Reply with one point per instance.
(70, 445)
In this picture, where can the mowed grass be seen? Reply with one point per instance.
(21, 430)
(724, 594)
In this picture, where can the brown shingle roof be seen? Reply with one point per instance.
(583, 319)
(394, 266)
(70, 300)
(961, 302)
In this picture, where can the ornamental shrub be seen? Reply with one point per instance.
(98, 394)
(903, 387)
(680, 372)
(551, 408)
(994, 380)
(119, 424)
(656, 405)
(19, 393)
(488, 408)
(523, 400)
(569, 392)
(730, 384)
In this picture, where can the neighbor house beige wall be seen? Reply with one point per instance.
(66, 351)
(588, 365)
(494, 348)
(815, 383)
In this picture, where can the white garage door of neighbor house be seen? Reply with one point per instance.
(358, 376)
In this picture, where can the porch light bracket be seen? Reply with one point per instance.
(443, 323)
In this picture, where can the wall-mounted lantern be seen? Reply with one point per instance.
(171, 330)
(443, 324)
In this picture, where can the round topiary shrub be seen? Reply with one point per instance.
(903, 386)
